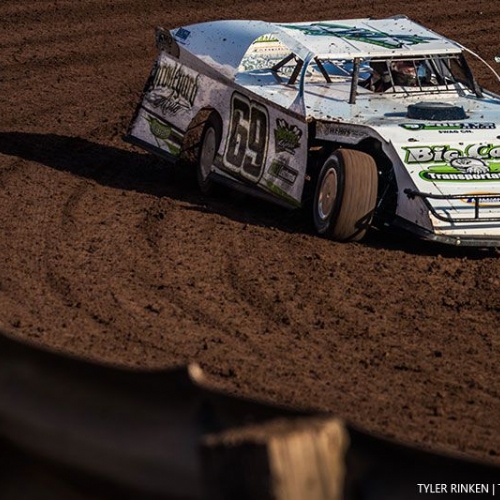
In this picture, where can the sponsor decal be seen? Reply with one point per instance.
(282, 170)
(173, 88)
(488, 200)
(443, 154)
(165, 136)
(475, 162)
(182, 34)
(449, 126)
(333, 130)
(389, 41)
(286, 137)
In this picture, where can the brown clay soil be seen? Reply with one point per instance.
(108, 253)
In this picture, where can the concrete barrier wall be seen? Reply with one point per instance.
(73, 430)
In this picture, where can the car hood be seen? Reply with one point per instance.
(452, 167)
(446, 156)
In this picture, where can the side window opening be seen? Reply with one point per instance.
(268, 61)
(267, 55)
(420, 73)
(387, 74)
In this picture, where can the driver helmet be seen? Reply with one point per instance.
(404, 73)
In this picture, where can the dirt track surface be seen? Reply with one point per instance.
(106, 252)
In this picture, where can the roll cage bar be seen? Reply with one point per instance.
(447, 71)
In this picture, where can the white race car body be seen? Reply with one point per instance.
(283, 91)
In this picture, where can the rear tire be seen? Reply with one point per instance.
(209, 145)
(345, 196)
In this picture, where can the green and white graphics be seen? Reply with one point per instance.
(165, 136)
(360, 34)
(444, 163)
(173, 88)
(286, 136)
(452, 127)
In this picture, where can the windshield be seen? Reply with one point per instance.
(423, 73)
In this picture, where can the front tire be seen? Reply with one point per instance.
(345, 196)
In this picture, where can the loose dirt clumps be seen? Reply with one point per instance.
(108, 253)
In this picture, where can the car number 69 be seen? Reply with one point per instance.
(246, 146)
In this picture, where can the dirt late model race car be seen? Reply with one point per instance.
(366, 122)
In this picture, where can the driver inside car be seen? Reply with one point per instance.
(385, 75)
(404, 73)
(412, 74)
(380, 78)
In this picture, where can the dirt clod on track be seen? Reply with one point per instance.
(108, 253)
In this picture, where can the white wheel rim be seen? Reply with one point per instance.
(327, 194)
(207, 153)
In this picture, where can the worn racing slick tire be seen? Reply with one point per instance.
(209, 145)
(345, 195)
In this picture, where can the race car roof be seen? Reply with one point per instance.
(224, 43)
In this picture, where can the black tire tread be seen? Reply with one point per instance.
(359, 195)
